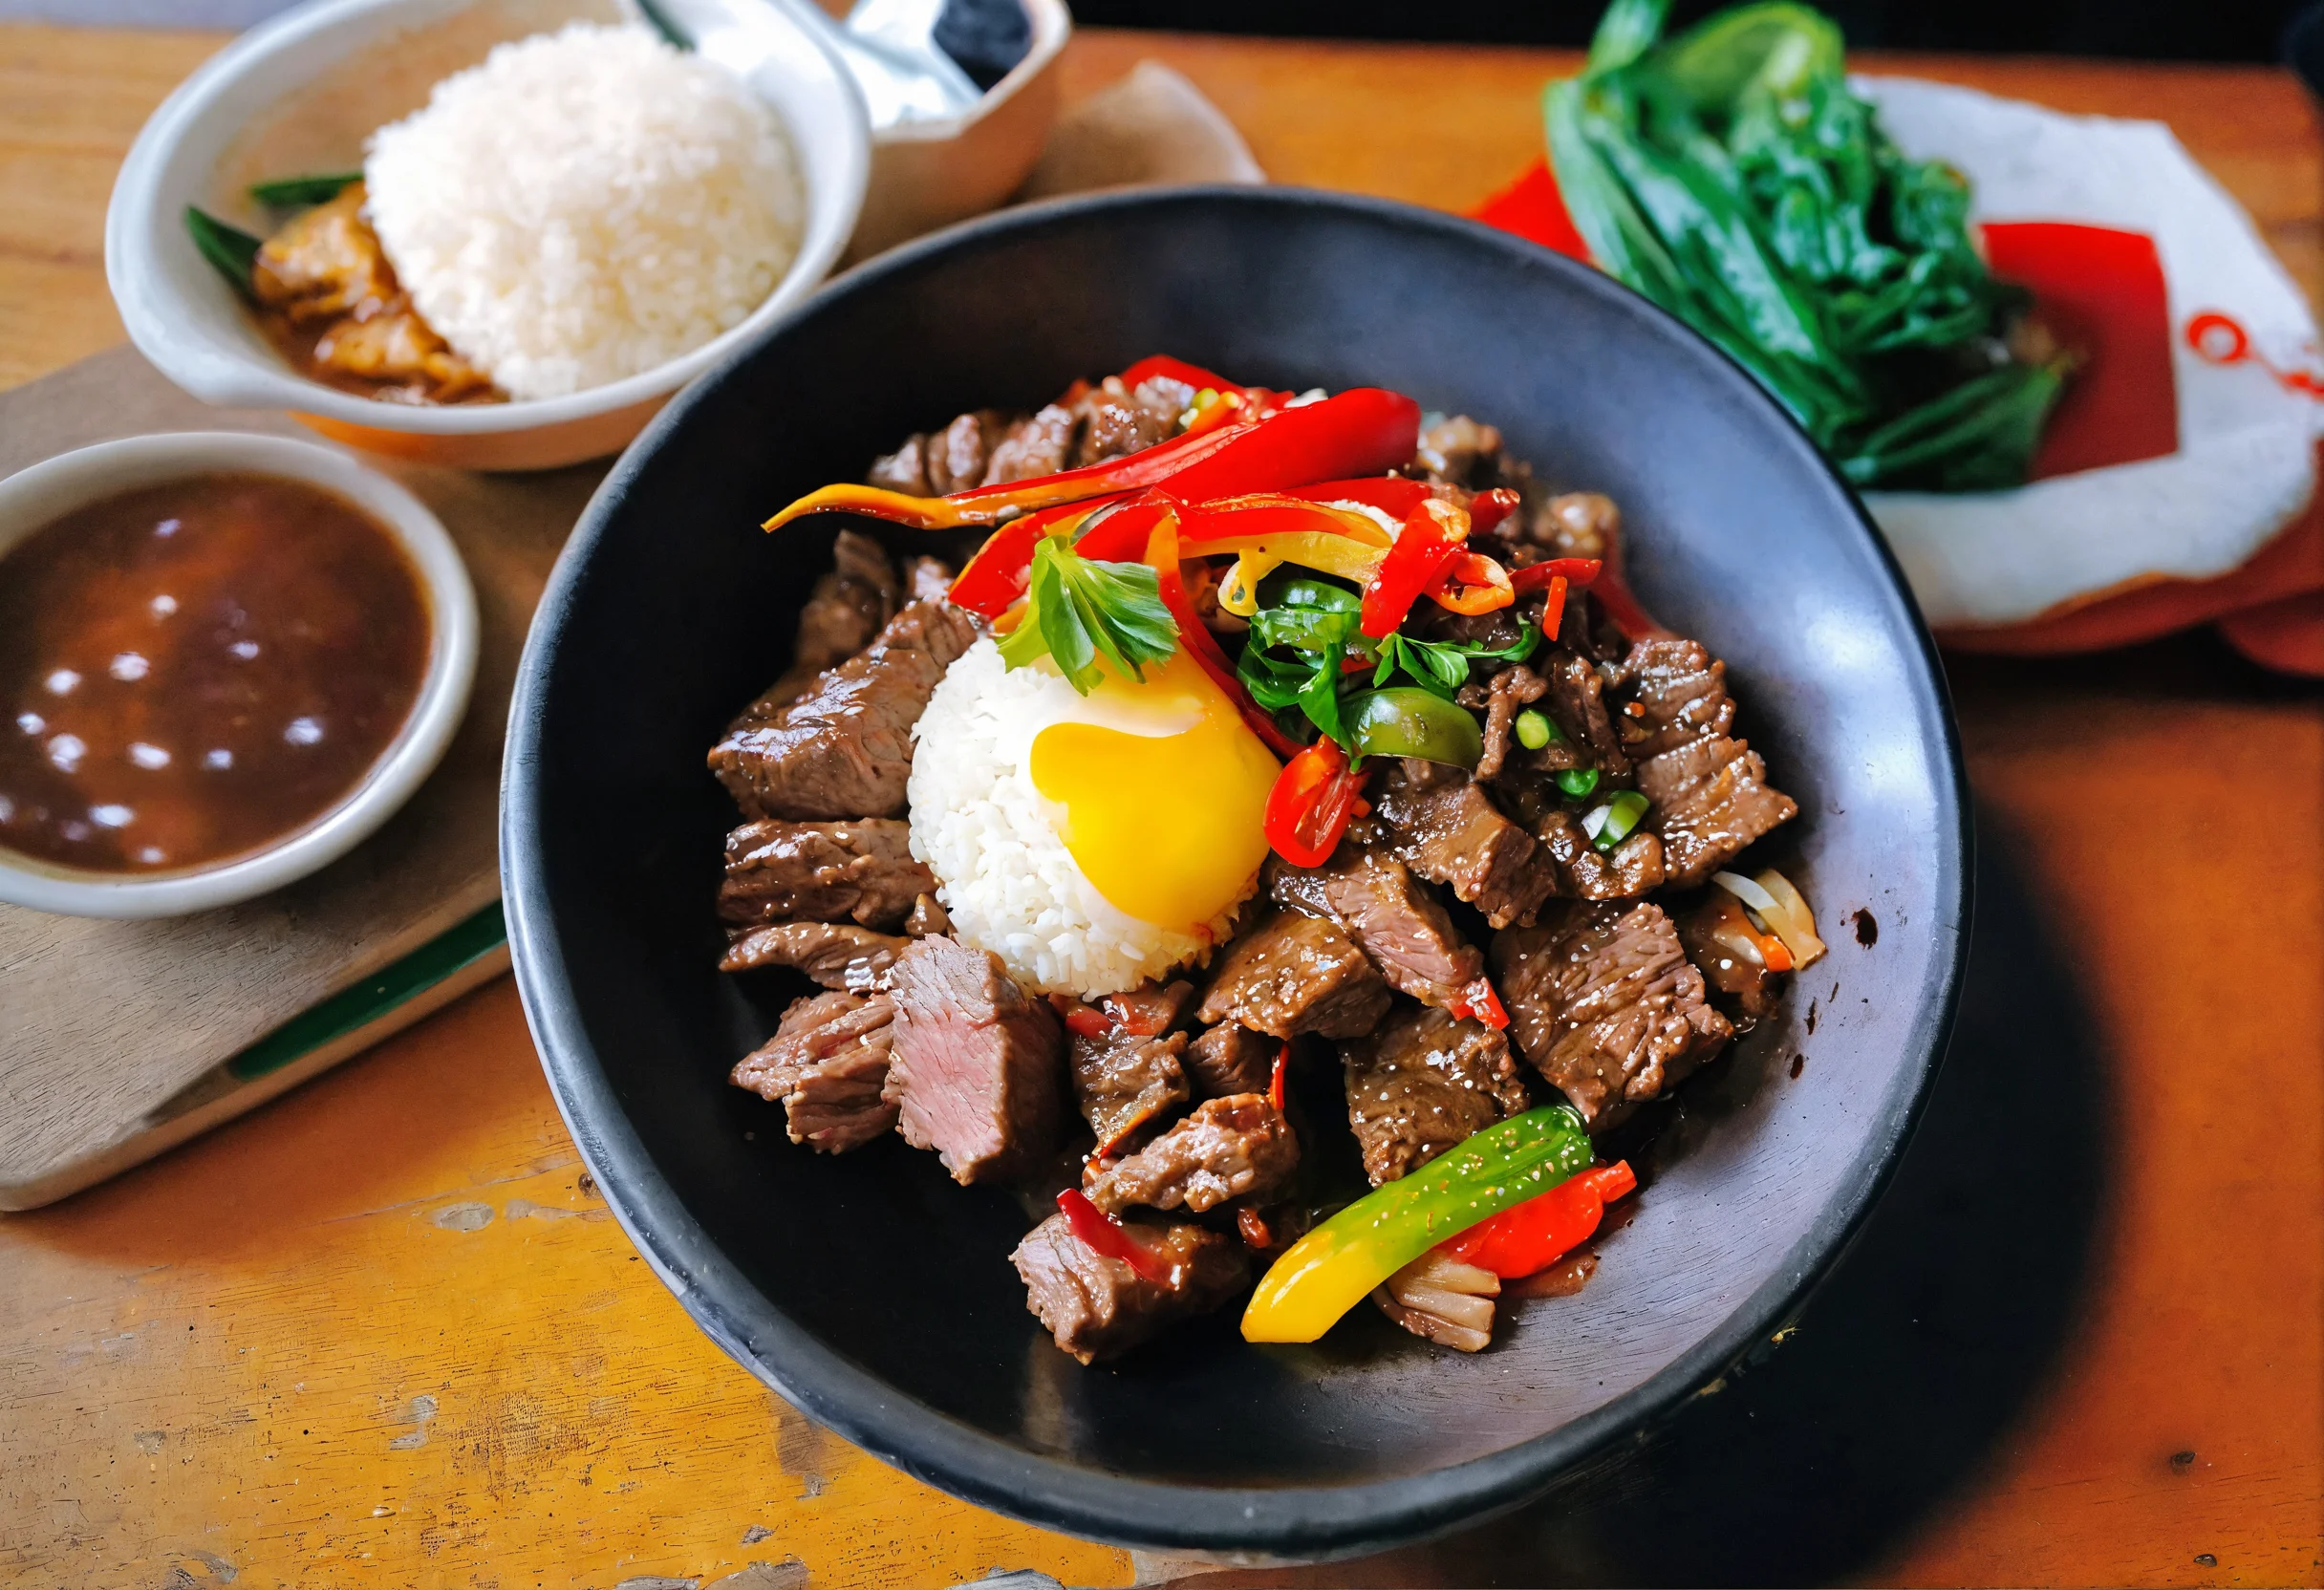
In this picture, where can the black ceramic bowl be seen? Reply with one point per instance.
(876, 1295)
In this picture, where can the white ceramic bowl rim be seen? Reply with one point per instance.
(39, 495)
(148, 258)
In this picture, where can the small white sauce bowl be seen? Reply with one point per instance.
(46, 492)
(301, 93)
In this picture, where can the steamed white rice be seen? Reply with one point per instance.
(1008, 882)
(584, 205)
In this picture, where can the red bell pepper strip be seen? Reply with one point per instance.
(1433, 535)
(1362, 431)
(1553, 610)
(1162, 552)
(1175, 370)
(1578, 571)
(1310, 806)
(1271, 513)
(1478, 1002)
(1538, 1233)
(1119, 533)
(1103, 1233)
(1471, 584)
(996, 577)
(1275, 1079)
(1391, 494)
(1488, 509)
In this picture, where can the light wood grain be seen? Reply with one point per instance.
(221, 1353)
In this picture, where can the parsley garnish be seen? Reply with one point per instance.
(1079, 609)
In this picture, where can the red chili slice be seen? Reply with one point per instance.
(1103, 1234)
(1308, 808)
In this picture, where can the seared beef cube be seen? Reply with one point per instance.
(833, 954)
(976, 1063)
(904, 470)
(1711, 799)
(1718, 939)
(1151, 1008)
(1605, 1003)
(1097, 1306)
(1398, 923)
(956, 456)
(1423, 1084)
(1289, 974)
(843, 749)
(841, 616)
(1230, 1059)
(1231, 1148)
(1449, 832)
(822, 871)
(1588, 874)
(1121, 1081)
(1116, 422)
(1680, 690)
(826, 1065)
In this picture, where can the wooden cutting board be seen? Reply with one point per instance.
(119, 1039)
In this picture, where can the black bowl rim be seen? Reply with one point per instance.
(1292, 1522)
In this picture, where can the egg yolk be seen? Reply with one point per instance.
(1162, 798)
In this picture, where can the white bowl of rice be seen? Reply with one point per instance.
(593, 217)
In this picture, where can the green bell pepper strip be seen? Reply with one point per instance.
(1408, 722)
(1327, 1272)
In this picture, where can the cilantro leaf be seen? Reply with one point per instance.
(1078, 608)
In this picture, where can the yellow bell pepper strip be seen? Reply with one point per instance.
(1162, 552)
(1327, 1272)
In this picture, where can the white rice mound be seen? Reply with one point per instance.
(584, 205)
(1006, 880)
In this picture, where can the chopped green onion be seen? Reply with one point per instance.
(290, 192)
(1533, 729)
(230, 249)
(1577, 782)
(1610, 824)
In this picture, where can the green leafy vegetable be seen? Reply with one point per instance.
(1732, 176)
(292, 192)
(230, 249)
(1081, 608)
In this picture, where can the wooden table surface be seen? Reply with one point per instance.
(384, 1331)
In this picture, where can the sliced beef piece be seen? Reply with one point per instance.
(1719, 940)
(928, 916)
(833, 954)
(1122, 1081)
(826, 1065)
(1398, 923)
(1605, 1003)
(1711, 799)
(974, 1073)
(1233, 1148)
(904, 470)
(927, 580)
(1449, 831)
(1289, 974)
(1230, 1059)
(841, 616)
(1098, 1306)
(1424, 1082)
(958, 454)
(843, 749)
(1510, 691)
(1586, 872)
(1575, 698)
(822, 871)
(1680, 693)
(1151, 1008)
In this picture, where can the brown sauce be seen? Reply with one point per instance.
(191, 671)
